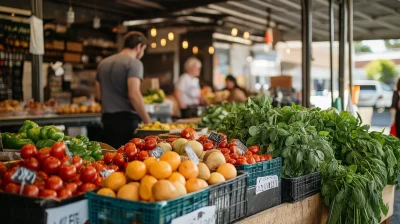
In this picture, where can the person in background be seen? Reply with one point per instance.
(118, 88)
(236, 93)
(395, 108)
(187, 89)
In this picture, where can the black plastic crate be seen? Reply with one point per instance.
(299, 188)
(19, 209)
(230, 198)
(261, 169)
(262, 201)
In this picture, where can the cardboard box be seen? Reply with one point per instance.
(281, 81)
(149, 83)
(388, 200)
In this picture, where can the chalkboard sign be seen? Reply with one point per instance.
(157, 152)
(24, 176)
(215, 137)
(241, 146)
(192, 155)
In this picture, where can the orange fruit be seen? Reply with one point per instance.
(129, 192)
(227, 170)
(189, 169)
(106, 192)
(137, 184)
(204, 172)
(175, 176)
(180, 188)
(135, 170)
(146, 184)
(164, 190)
(161, 170)
(173, 158)
(195, 184)
(148, 162)
(114, 181)
(216, 178)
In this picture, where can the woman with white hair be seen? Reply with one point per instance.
(187, 89)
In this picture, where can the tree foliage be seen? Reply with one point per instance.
(361, 48)
(381, 70)
(392, 44)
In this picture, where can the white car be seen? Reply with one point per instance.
(374, 94)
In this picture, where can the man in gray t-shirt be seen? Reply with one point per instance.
(118, 87)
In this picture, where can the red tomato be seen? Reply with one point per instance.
(189, 133)
(64, 193)
(32, 164)
(119, 160)
(28, 151)
(121, 150)
(31, 190)
(65, 160)
(150, 144)
(262, 158)
(248, 153)
(233, 141)
(241, 161)
(67, 172)
(54, 183)
(48, 193)
(227, 157)
(51, 165)
(234, 156)
(225, 138)
(225, 151)
(231, 161)
(208, 146)
(150, 137)
(43, 153)
(12, 188)
(131, 151)
(114, 167)
(255, 149)
(40, 184)
(232, 144)
(87, 187)
(126, 164)
(223, 144)
(268, 156)
(77, 162)
(88, 174)
(139, 143)
(77, 180)
(234, 149)
(73, 187)
(99, 167)
(250, 159)
(3, 169)
(98, 181)
(7, 177)
(58, 150)
(242, 157)
(256, 158)
(143, 155)
(108, 157)
(203, 138)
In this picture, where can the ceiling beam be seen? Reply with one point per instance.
(147, 4)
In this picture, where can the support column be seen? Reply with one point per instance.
(331, 40)
(351, 50)
(342, 48)
(37, 60)
(306, 50)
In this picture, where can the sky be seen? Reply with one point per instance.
(375, 45)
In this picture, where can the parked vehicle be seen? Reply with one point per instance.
(374, 94)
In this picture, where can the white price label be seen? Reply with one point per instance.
(106, 173)
(192, 155)
(205, 215)
(24, 176)
(157, 152)
(266, 183)
(241, 146)
(74, 213)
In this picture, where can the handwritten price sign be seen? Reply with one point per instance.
(24, 176)
(205, 215)
(266, 183)
(157, 152)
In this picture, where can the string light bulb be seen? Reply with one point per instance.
(211, 50)
(195, 50)
(246, 35)
(163, 42)
(185, 44)
(171, 36)
(153, 32)
(153, 45)
(234, 32)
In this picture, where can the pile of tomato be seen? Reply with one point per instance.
(57, 175)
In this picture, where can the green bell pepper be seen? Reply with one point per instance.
(17, 141)
(77, 147)
(55, 134)
(45, 143)
(44, 131)
(83, 138)
(27, 125)
(88, 159)
(34, 134)
(67, 138)
(6, 139)
(92, 146)
(98, 157)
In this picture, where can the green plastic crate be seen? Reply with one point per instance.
(103, 209)
(261, 169)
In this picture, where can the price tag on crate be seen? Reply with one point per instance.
(74, 213)
(105, 173)
(266, 183)
(205, 215)
(241, 146)
(157, 152)
(24, 176)
(192, 155)
(215, 137)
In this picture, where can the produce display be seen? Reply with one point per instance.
(214, 114)
(165, 126)
(154, 96)
(79, 109)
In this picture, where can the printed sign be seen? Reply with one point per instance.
(74, 213)
(24, 175)
(215, 137)
(266, 183)
(205, 215)
(192, 155)
(241, 146)
(157, 152)
(105, 173)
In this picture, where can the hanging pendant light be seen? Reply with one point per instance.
(171, 36)
(96, 22)
(246, 35)
(153, 45)
(185, 44)
(163, 42)
(195, 50)
(234, 32)
(211, 50)
(153, 32)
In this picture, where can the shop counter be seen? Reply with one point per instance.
(53, 119)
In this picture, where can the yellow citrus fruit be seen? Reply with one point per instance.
(164, 190)
(175, 176)
(137, 184)
(215, 178)
(106, 192)
(148, 162)
(135, 170)
(189, 169)
(172, 158)
(146, 184)
(129, 192)
(227, 170)
(195, 184)
(180, 188)
(161, 170)
(204, 172)
(115, 181)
